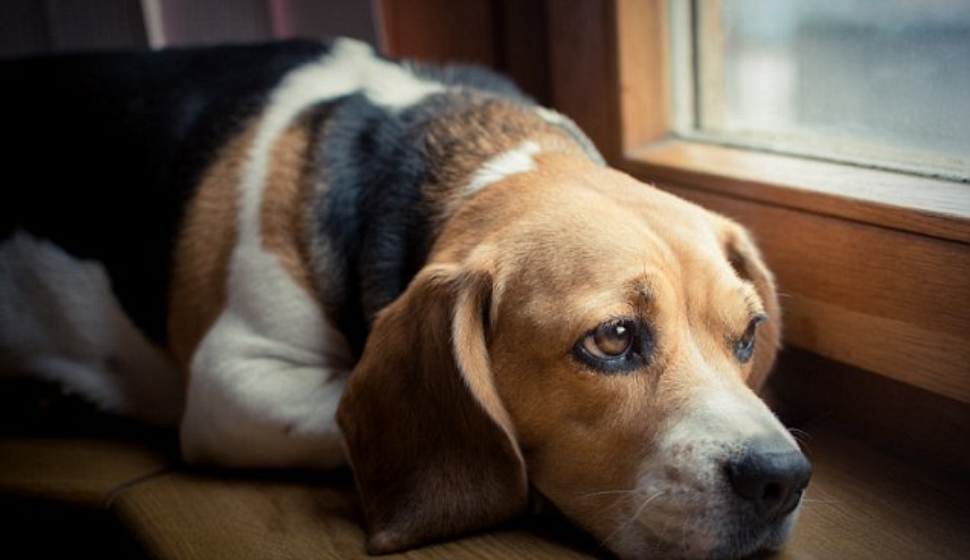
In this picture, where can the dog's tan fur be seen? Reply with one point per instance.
(285, 210)
(201, 260)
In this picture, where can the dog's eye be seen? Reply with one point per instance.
(744, 347)
(612, 347)
(608, 341)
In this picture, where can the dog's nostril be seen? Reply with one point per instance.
(772, 481)
(772, 492)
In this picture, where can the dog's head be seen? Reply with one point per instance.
(595, 339)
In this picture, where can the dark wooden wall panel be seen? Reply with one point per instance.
(318, 18)
(191, 22)
(95, 24)
(506, 35)
(41, 26)
(441, 30)
(584, 69)
(524, 53)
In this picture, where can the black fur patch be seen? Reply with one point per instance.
(371, 214)
(373, 217)
(103, 151)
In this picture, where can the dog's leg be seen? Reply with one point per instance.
(61, 323)
(258, 403)
(265, 380)
(268, 411)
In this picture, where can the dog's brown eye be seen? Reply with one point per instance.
(744, 347)
(614, 347)
(611, 340)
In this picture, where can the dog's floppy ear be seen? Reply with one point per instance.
(749, 265)
(432, 448)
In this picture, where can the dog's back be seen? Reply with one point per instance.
(111, 152)
(104, 149)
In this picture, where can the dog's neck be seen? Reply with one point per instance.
(389, 181)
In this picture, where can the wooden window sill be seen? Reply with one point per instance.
(933, 207)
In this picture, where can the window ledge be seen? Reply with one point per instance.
(933, 207)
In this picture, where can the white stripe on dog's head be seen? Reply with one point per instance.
(512, 162)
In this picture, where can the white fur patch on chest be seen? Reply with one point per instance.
(60, 321)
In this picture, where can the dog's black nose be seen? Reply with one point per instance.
(771, 475)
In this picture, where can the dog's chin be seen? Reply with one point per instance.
(703, 540)
(744, 542)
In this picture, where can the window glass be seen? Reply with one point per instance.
(883, 82)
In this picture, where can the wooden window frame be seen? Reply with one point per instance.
(873, 266)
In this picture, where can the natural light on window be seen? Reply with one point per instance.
(875, 82)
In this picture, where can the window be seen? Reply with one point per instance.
(876, 82)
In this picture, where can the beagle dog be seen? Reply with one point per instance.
(305, 255)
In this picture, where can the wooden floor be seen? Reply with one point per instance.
(863, 503)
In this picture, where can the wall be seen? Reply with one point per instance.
(44, 26)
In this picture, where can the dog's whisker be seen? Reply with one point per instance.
(811, 501)
(611, 493)
(684, 542)
(799, 434)
(636, 515)
(803, 438)
(622, 497)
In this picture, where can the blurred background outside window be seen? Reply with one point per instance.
(884, 83)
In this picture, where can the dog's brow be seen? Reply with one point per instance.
(752, 300)
(641, 293)
(643, 289)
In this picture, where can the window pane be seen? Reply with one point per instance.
(884, 81)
